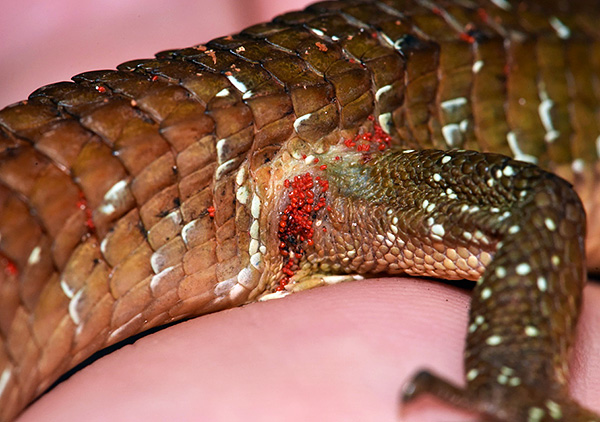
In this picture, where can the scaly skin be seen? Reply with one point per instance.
(138, 208)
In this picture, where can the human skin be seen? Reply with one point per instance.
(336, 353)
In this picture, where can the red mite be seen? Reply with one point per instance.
(296, 221)
(11, 268)
(378, 138)
(83, 205)
(211, 211)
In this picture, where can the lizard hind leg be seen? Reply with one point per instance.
(525, 305)
(427, 383)
(524, 406)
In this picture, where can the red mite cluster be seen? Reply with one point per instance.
(9, 265)
(211, 211)
(296, 222)
(83, 205)
(378, 138)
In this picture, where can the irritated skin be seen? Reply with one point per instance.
(458, 215)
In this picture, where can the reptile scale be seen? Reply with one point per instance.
(456, 140)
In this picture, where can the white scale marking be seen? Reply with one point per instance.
(523, 268)
(310, 159)
(223, 93)
(175, 217)
(452, 134)
(486, 293)
(438, 230)
(158, 278)
(242, 194)
(67, 290)
(34, 256)
(244, 277)
(531, 331)
(225, 286)
(452, 105)
(550, 225)
(317, 32)
(185, 231)
(472, 374)
(382, 91)
(542, 284)
(256, 260)
(116, 191)
(254, 229)
(253, 248)
(300, 120)
(578, 165)
(535, 414)
(502, 4)
(554, 409)
(561, 29)
(508, 171)
(113, 197)
(544, 111)
(240, 177)
(239, 85)
(224, 168)
(513, 144)
(4, 379)
(157, 261)
(73, 305)
(255, 206)
(494, 340)
(514, 229)
(385, 121)
(220, 151)
(477, 66)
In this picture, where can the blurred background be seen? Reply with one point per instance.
(42, 42)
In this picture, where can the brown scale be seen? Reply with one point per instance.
(140, 196)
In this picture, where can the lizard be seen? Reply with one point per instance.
(355, 160)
